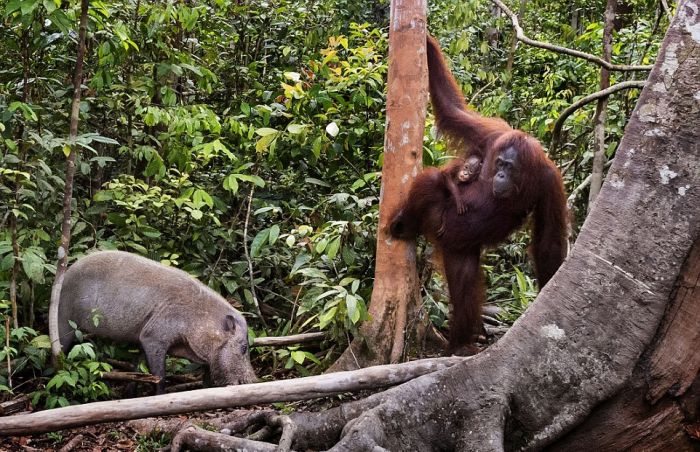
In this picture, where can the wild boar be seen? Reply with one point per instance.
(125, 297)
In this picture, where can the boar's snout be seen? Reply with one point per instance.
(231, 365)
(233, 373)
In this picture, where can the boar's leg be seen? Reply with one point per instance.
(155, 349)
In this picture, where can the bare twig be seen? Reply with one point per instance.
(586, 100)
(664, 3)
(123, 365)
(555, 48)
(7, 344)
(72, 444)
(576, 191)
(4, 219)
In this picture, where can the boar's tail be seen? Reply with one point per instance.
(53, 318)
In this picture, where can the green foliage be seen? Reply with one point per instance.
(209, 128)
(153, 441)
(77, 382)
(27, 350)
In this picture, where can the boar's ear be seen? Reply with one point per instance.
(229, 323)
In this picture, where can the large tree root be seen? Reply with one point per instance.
(197, 439)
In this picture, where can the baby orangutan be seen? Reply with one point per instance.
(466, 173)
(459, 173)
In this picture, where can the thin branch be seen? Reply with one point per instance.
(601, 111)
(4, 219)
(247, 256)
(576, 191)
(131, 376)
(288, 340)
(68, 191)
(586, 100)
(664, 3)
(520, 35)
(7, 345)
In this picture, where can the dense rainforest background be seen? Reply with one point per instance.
(243, 140)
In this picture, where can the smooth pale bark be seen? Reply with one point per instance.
(396, 291)
(600, 117)
(226, 397)
(579, 343)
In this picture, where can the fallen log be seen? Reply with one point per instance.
(288, 340)
(226, 397)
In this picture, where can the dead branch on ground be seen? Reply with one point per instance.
(226, 397)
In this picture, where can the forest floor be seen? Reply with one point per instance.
(116, 436)
(123, 436)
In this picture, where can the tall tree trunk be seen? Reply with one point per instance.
(68, 192)
(599, 119)
(396, 291)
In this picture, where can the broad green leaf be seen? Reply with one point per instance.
(351, 306)
(327, 317)
(231, 183)
(251, 178)
(295, 129)
(298, 356)
(274, 233)
(333, 247)
(265, 142)
(258, 242)
(103, 195)
(321, 245)
(265, 131)
(33, 266)
(201, 197)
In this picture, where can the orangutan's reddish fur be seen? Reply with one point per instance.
(489, 220)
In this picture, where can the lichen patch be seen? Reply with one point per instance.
(667, 174)
(552, 331)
